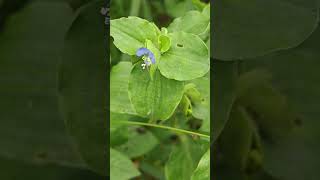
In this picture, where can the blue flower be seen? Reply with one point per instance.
(147, 56)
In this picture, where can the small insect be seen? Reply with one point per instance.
(141, 130)
(147, 57)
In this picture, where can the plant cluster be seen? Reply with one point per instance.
(160, 99)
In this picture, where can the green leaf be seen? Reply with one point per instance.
(157, 98)
(201, 107)
(140, 142)
(130, 33)
(164, 43)
(267, 105)
(118, 135)
(203, 170)
(250, 29)
(193, 22)
(199, 4)
(118, 132)
(83, 88)
(119, 79)
(121, 167)
(206, 10)
(184, 159)
(177, 8)
(224, 83)
(32, 129)
(296, 75)
(235, 141)
(187, 59)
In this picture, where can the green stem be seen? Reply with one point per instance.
(162, 127)
(135, 7)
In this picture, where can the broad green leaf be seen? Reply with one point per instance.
(203, 170)
(187, 59)
(296, 75)
(157, 98)
(129, 34)
(254, 28)
(193, 22)
(119, 79)
(140, 142)
(224, 84)
(31, 127)
(184, 159)
(83, 88)
(121, 167)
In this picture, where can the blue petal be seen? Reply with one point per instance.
(152, 58)
(142, 51)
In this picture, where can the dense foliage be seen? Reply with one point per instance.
(160, 106)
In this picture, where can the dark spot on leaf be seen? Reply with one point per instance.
(158, 121)
(179, 45)
(141, 130)
(174, 138)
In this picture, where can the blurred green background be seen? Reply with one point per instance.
(36, 140)
(266, 96)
